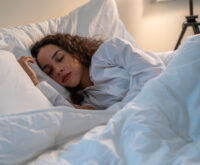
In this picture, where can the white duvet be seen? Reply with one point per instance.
(161, 126)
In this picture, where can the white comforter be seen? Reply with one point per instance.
(160, 127)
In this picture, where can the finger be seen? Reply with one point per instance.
(28, 59)
(31, 60)
(25, 58)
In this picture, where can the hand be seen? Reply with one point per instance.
(23, 61)
(87, 107)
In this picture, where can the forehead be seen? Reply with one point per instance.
(45, 54)
(47, 50)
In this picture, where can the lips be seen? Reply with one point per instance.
(66, 77)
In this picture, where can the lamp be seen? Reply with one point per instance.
(190, 21)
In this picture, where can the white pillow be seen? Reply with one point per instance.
(18, 93)
(97, 18)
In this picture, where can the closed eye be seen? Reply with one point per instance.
(60, 59)
(48, 70)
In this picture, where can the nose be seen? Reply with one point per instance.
(59, 70)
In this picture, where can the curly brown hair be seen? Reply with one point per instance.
(81, 48)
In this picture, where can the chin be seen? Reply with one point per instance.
(71, 85)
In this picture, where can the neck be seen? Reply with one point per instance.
(85, 80)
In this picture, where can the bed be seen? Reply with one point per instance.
(160, 126)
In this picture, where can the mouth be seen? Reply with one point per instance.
(66, 77)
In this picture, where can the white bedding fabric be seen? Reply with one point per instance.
(160, 127)
(24, 136)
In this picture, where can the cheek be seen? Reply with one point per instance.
(77, 67)
(75, 61)
(77, 64)
(54, 77)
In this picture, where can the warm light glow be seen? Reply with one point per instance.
(163, 0)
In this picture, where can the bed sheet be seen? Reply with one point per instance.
(160, 126)
(24, 136)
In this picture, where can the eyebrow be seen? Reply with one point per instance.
(52, 57)
(55, 53)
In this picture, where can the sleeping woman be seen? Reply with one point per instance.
(98, 74)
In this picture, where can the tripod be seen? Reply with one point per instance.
(190, 21)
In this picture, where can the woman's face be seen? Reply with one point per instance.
(60, 66)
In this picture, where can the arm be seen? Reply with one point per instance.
(23, 61)
(120, 53)
(116, 55)
(86, 107)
